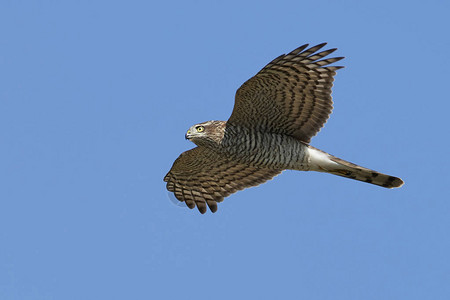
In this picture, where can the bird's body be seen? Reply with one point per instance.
(275, 115)
(260, 148)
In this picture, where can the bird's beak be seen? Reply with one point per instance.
(188, 133)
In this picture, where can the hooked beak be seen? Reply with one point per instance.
(188, 133)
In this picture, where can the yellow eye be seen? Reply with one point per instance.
(200, 128)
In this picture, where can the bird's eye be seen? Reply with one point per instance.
(200, 128)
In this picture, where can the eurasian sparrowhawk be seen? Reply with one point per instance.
(276, 113)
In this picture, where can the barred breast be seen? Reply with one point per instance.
(264, 149)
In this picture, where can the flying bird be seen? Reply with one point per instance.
(275, 115)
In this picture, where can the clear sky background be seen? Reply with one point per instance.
(95, 99)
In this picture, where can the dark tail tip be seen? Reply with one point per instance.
(393, 182)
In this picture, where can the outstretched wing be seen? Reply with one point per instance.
(291, 95)
(203, 177)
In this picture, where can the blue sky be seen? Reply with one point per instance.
(95, 99)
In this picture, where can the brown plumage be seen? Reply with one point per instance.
(203, 177)
(290, 95)
(276, 114)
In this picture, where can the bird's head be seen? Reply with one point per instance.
(208, 133)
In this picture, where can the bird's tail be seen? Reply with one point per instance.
(323, 162)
